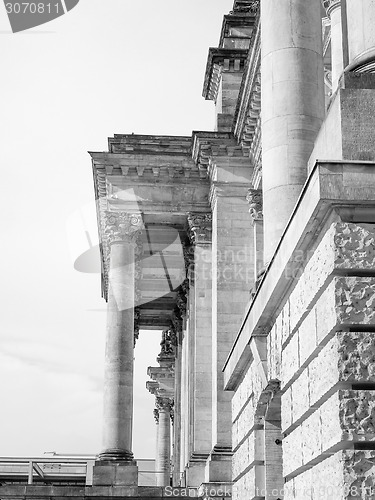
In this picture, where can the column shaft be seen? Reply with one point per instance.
(164, 448)
(203, 349)
(118, 378)
(337, 55)
(361, 33)
(292, 105)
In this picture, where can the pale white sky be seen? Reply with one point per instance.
(108, 66)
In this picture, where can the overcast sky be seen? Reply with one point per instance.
(108, 66)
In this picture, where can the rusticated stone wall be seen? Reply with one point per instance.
(322, 349)
(248, 438)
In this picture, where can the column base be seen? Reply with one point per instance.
(215, 490)
(117, 455)
(195, 470)
(112, 473)
(219, 465)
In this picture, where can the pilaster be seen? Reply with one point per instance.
(232, 278)
(200, 360)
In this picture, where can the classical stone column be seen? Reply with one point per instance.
(361, 33)
(333, 8)
(163, 457)
(255, 200)
(292, 106)
(122, 231)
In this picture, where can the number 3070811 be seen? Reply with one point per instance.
(32, 8)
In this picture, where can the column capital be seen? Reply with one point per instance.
(137, 315)
(200, 225)
(156, 415)
(168, 343)
(331, 5)
(122, 226)
(164, 404)
(255, 200)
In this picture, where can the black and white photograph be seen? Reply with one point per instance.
(187, 306)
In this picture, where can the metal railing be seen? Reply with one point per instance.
(60, 469)
(47, 469)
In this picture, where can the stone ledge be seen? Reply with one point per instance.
(80, 492)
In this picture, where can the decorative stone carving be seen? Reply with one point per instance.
(172, 415)
(255, 200)
(164, 404)
(182, 297)
(168, 342)
(177, 323)
(200, 228)
(331, 5)
(251, 6)
(122, 226)
(136, 324)
(156, 415)
(188, 251)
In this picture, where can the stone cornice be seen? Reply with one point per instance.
(213, 144)
(237, 19)
(144, 167)
(248, 105)
(221, 60)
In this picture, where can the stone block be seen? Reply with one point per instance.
(356, 356)
(357, 412)
(274, 352)
(307, 337)
(300, 396)
(323, 372)
(286, 409)
(292, 452)
(359, 473)
(345, 246)
(290, 360)
(116, 474)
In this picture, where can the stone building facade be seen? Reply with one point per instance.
(252, 247)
